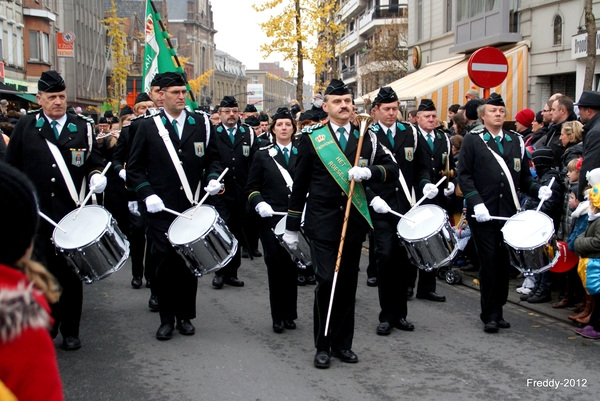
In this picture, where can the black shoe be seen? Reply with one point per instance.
(278, 326)
(218, 282)
(402, 324)
(540, 297)
(410, 292)
(503, 324)
(136, 282)
(148, 285)
(71, 343)
(491, 327)
(525, 297)
(153, 303)
(256, 253)
(432, 296)
(233, 281)
(311, 280)
(384, 328)
(164, 332)
(322, 360)
(289, 324)
(372, 282)
(185, 327)
(245, 254)
(301, 280)
(345, 355)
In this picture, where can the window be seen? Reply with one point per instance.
(557, 30)
(448, 26)
(9, 41)
(254, 79)
(419, 19)
(19, 46)
(1, 41)
(38, 46)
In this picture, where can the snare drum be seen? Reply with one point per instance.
(204, 242)
(300, 255)
(531, 242)
(429, 238)
(93, 244)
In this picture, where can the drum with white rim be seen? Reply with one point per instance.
(92, 243)
(428, 237)
(531, 242)
(300, 255)
(204, 242)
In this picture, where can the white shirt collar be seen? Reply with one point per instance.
(385, 129)
(60, 122)
(180, 121)
(288, 147)
(335, 128)
(425, 134)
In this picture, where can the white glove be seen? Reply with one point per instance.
(482, 214)
(544, 193)
(430, 191)
(291, 239)
(264, 209)
(359, 174)
(154, 204)
(97, 183)
(213, 187)
(450, 190)
(133, 208)
(379, 205)
(123, 174)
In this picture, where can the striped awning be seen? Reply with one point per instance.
(446, 82)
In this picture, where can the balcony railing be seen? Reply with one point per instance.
(349, 72)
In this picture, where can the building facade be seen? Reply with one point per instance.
(12, 58)
(229, 79)
(278, 87)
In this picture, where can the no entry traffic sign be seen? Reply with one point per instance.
(488, 67)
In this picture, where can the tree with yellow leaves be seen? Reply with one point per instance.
(200, 82)
(294, 32)
(119, 55)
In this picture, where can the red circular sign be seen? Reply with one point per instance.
(488, 67)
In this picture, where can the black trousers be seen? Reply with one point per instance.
(493, 270)
(175, 284)
(341, 325)
(67, 311)
(233, 215)
(372, 267)
(281, 270)
(393, 267)
(140, 246)
(426, 282)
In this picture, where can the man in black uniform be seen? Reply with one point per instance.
(236, 145)
(393, 264)
(158, 184)
(328, 184)
(29, 151)
(434, 149)
(492, 162)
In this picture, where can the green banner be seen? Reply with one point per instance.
(337, 165)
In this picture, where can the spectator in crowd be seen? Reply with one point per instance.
(471, 94)
(523, 121)
(412, 116)
(570, 137)
(459, 124)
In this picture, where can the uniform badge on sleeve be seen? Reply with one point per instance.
(363, 162)
(409, 154)
(77, 157)
(199, 148)
(517, 166)
(246, 150)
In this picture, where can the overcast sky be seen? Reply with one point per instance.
(240, 35)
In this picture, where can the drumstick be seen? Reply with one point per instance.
(87, 198)
(206, 195)
(542, 201)
(177, 213)
(279, 213)
(502, 218)
(425, 196)
(401, 216)
(49, 220)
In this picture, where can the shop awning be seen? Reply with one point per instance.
(446, 82)
(7, 89)
(27, 96)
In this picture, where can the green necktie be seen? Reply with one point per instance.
(231, 136)
(53, 124)
(390, 137)
(430, 141)
(343, 140)
(286, 156)
(498, 140)
(175, 128)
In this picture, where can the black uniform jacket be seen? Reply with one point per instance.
(436, 162)
(409, 161)
(481, 178)
(266, 183)
(326, 203)
(151, 170)
(29, 152)
(236, 156)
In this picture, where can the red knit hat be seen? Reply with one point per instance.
(525, 117)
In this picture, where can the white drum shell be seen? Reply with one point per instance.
(300, 255)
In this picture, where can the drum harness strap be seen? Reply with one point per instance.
(284, 173)
(164, 134)
(64, 171)
(507, 173)
(410, 195)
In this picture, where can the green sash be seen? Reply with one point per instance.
(337, 164)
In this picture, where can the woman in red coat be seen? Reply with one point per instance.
(28, 367)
